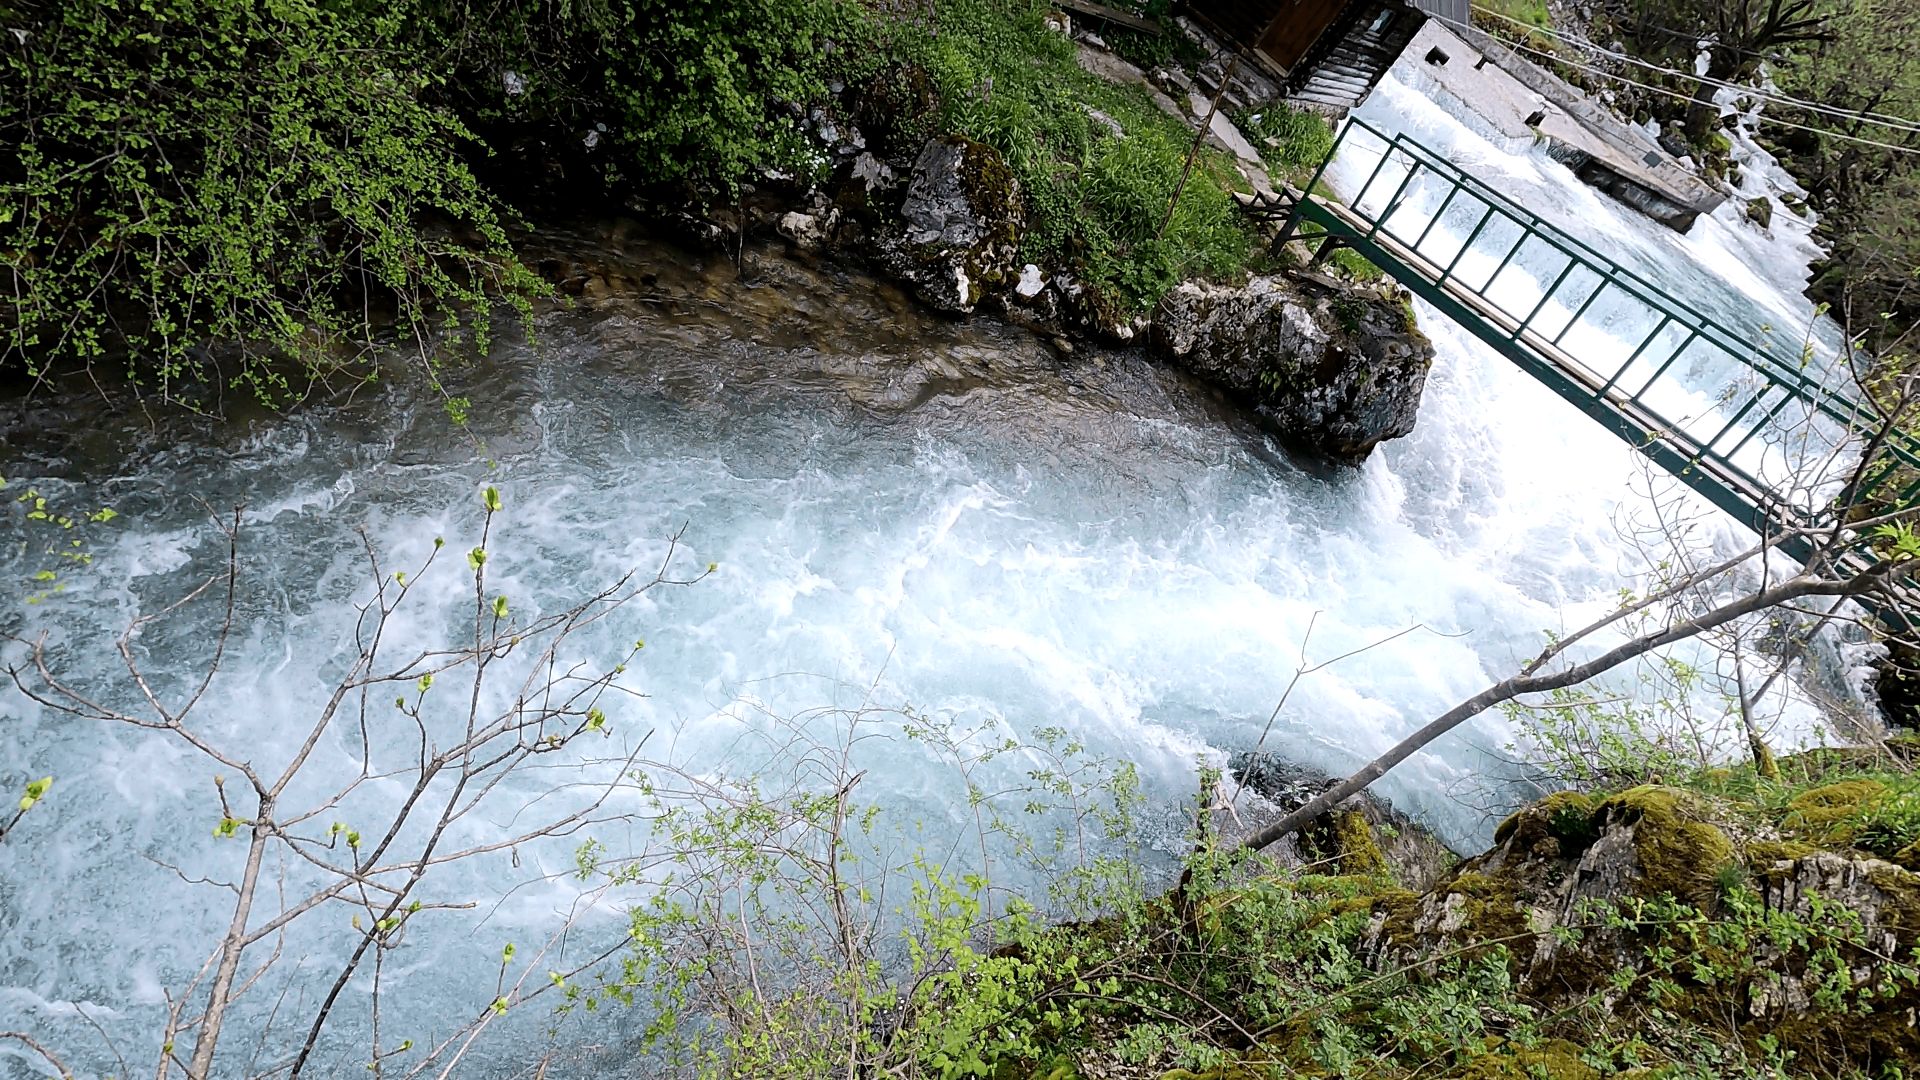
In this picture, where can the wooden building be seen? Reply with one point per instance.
(1327, 52)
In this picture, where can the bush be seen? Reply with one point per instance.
(178, 172)
(1099, 200)
(699, 94)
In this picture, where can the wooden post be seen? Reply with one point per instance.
(1206, 125)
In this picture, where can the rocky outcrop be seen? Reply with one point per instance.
(1364, 835)
(959, 232)
(1601, 898)
(1330, 371)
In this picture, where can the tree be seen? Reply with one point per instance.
(477, 712)
(1863, 552)
(1738, 37)
(201, 192)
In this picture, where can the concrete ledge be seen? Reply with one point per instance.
(1522, 101)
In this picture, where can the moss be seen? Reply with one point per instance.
(1493, 909)
(1679, 853)
(1901, 914)
(1909, 856)
(1832, 814)
(1344, 840)
(1359, 850)
(1762, 855)
(1558, 1059)
(1564, 816)
(1400, 909)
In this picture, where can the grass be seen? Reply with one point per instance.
(1530, 21)
(1099, 202)
(1292, 142)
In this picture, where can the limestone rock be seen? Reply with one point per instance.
(1558, 866)
(807, 231)
(961, 226)
(1334, 372)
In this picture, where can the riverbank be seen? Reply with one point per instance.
(1721, 925)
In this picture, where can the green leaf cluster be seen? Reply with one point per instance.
(270, 179)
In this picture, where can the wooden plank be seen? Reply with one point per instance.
(1112, 15)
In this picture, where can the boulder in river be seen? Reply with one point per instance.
(960, 229)
(1332, 371)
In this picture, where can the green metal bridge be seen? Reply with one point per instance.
(1557, 308)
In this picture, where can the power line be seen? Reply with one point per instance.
(1899, 123)
(1775, 97)
(1761, 118)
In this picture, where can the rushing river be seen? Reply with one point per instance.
(984, 529)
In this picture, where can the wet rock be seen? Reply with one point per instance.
(1365, 834)
(872, 173)
(1090, 309)
(1760, 211)
(959, 236)
(1331, 371)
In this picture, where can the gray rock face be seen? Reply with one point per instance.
(961, 226)
(1331, 372)
(1416, 858)
(1557, 867)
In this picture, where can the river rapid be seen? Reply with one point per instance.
(947, 511)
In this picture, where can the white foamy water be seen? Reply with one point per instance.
(949, 512)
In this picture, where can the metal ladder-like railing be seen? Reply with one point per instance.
(1404, 239)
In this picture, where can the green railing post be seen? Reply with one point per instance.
(1546, 296)
(1447, 272)
(1599, 287)
(1658, 329)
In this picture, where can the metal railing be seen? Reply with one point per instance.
(1407, 242)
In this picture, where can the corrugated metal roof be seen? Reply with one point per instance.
(1452, 11)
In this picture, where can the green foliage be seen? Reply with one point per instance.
(1098, 201)
(1586, 739)
(179, 172)
(664, 93)
(1293, 142)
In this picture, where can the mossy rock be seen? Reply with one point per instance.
(1398, 908)
(1832, 814)
(1763, 855)
(1679, 852)
(1558, 1059)
(1565, 817)
(1345, 839)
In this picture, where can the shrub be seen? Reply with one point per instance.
(1100, 200)
(175, 172)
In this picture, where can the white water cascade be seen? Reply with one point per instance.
(944, 510)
